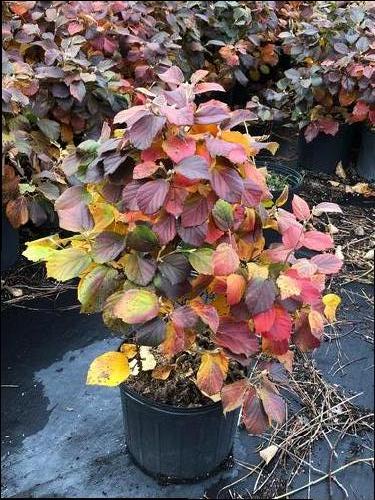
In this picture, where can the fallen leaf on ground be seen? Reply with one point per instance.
(340, 170)
(268, 453)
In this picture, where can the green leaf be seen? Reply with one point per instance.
(67, 264)
(201, 260)
(223, 215)
(142, 239)
(96, 286)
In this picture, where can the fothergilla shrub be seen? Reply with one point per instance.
(169, 242)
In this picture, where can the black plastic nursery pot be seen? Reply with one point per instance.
(324, 152)
(366, 157)
(177, 444)
(9, 244)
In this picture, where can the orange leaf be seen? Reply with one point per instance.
(212, 372)
(236, 285)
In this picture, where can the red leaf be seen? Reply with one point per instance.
(179, 148)
(300, 208)
(151, 196)
(327, 263)
(145, 169)
(212, 112)
(107, 246)
(236, 337)
(234, 152)
(273, 404)
(302, 337)
(253, 414)
(315, 240)
(260, 295)
(195, 211)
(227, 183)
(174, 201)
(236, 285)
(292, 237)
(225, 260)
(282, 326)
(264, 321)
(206, 312)
(233, 395)
(165, 228)
(194, 167)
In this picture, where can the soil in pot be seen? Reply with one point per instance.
(366, 158)
(324, 152)
(179, 389)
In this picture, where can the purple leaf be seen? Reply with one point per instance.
(151, 196)
(194, 167)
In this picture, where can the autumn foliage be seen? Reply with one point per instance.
(169, 222)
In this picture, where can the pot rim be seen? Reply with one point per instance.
(295, 176)
(166, 408)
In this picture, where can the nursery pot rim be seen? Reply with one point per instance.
(295, 177)
(146, 401)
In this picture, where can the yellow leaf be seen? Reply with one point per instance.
(41, 249)
(110, 369)
(68, 263)
(331, 302)
(102, 214)
(283, 198)
(257, 271)
(288, 286)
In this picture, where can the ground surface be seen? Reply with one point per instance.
(61, 438)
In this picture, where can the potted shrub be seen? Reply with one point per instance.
(169, 247)
(330, 76)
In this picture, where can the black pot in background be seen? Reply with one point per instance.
(295, 180)
(177, 444)
(9, 244)
(324, 152)
(366, 157)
